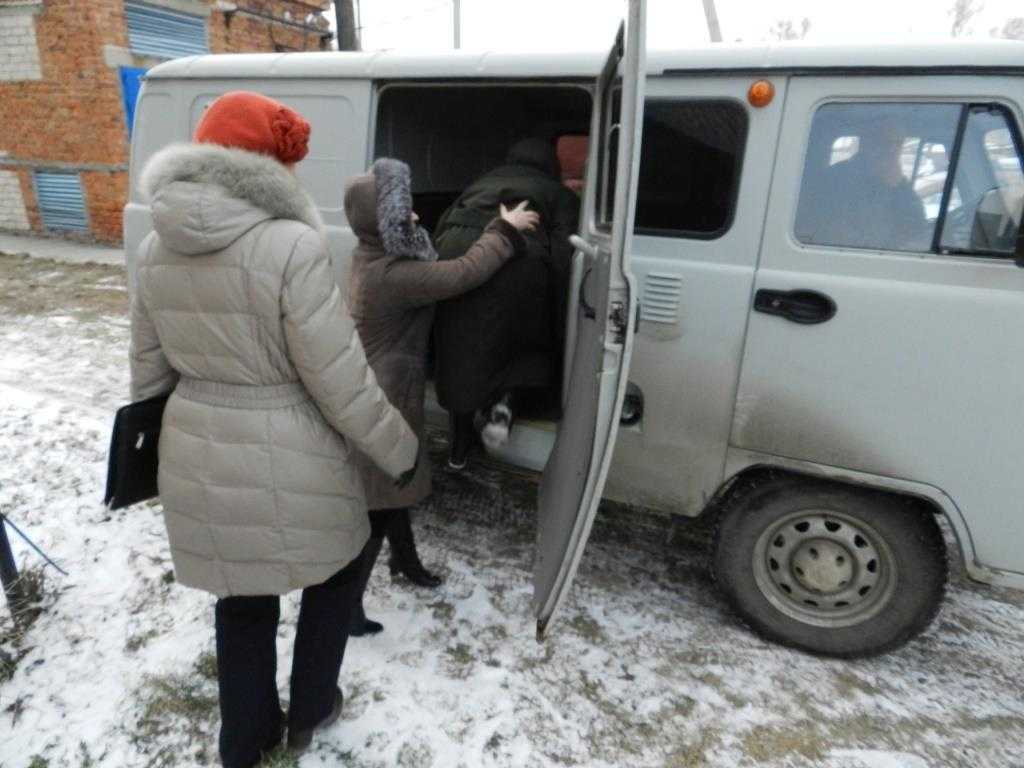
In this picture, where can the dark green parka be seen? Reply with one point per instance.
(509, 332)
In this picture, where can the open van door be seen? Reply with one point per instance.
(605, 321)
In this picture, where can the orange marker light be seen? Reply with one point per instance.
(761, 93)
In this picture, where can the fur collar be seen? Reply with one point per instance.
(258, 179)
(398, 234)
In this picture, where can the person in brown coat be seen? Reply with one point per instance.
(396, 280)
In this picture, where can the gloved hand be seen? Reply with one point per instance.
(406, 477)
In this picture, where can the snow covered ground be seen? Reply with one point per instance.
(646, 668)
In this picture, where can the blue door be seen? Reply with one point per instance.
(131, 83)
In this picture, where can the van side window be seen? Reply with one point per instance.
(874, 175)
(689, 167)
(923, 178)
(990, 181)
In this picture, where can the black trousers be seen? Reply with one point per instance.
(380, 520)
(250, 711)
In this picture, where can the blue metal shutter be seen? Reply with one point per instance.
(61, 201)
(164, 33)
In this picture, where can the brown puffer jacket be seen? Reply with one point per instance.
(392, 297)
(236, 308)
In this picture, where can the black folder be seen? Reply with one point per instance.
(132, 466)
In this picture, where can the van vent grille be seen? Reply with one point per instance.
(660, 303)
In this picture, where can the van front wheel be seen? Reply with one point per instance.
(830, 569)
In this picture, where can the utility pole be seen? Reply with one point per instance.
(714, 30)
(457, 22)
(348, 38)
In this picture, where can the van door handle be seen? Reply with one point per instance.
(799, 306)
(582, 245)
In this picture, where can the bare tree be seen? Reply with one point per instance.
(962, 11)
(1013, 29)
(348, 38)
(785, 29)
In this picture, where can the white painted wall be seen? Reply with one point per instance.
(12, 204)
(19, 50)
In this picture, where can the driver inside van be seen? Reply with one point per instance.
(866, 201)
(504, 340)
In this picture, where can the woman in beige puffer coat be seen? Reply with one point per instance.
(236, 309)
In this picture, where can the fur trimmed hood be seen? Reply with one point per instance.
(378, 206)
(204, 196)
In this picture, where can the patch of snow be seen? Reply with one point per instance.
(647, 667)
(870, 758)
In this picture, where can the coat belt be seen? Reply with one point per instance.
(263, 397)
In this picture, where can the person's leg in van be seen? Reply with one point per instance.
(359, 625)
(320, 638)
(461, 437)
(250, 711)
(404, 558)
(498, 423)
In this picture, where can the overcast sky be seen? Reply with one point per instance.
(559, 25)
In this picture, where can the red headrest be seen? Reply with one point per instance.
(572, 155)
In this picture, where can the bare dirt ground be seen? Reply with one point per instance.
(646, 668)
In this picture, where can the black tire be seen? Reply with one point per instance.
(902, 536)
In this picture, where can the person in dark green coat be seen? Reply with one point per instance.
(502, 342)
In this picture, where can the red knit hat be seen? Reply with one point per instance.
(251, 121)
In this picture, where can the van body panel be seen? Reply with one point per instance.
(961, 55)
(891, 386)
(159, 121)
(688, 366)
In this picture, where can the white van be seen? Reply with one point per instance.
(805, 269)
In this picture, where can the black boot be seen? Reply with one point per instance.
(359, 625)
(460, 436)
(404, 558)
(299, 740)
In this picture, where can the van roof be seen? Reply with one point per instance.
(947, 57)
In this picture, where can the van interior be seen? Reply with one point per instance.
(451, 134)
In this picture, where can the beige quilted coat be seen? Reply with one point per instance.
(236, 308)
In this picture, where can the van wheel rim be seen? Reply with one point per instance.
(824, 568)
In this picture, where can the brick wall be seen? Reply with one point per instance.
(68, 113)
(238, 32)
